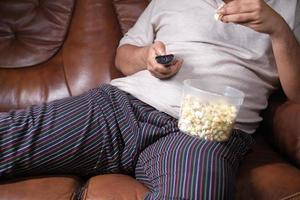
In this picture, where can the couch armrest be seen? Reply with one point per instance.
(283, 119)
(264, 175)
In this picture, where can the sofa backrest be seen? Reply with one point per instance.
(57, 48)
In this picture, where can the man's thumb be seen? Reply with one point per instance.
(159, 47)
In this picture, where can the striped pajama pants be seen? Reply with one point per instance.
(108, 131)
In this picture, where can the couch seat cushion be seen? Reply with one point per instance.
(46, 188)
(114, 187)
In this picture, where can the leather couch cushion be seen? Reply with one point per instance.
(114, 187)
(89, 50)
(22, 87)
(85, 60)
(32, 31)
(128, 12)
(46, 188)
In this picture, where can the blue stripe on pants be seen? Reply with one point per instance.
(107, 131)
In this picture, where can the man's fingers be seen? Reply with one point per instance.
(249, 25)
(177, 65)
(159, 73)
(159, 70)
(163, 69)
(237, 8)
(159, 47)
(163, 72)
(237, 2)
(239, 18)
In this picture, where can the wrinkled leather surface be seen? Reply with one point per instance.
(32, 31)
(128, 12)
(114, 187)
(295, 196)
(84, 60)
(47, 188)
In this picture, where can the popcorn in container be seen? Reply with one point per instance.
(209, 110)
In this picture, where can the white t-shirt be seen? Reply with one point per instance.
(213, 51)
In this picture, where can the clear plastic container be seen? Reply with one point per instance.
(209, 110)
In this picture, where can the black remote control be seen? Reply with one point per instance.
(165, 59)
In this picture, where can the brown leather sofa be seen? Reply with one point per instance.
(52, 49)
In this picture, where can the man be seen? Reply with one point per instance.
(134, 130)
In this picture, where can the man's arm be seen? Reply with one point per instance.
(256, 14)
(131, 59)
(287, 54)
(137, 51)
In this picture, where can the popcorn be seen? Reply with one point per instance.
(218, 16)
(209, 120)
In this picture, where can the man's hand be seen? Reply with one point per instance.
(259, 16)
(158, 70)
(255, 14)
(131, 59)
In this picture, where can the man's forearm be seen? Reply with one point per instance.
(287, 55)
(131, 59)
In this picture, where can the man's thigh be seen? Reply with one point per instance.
(183, 167)
(77, 135)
